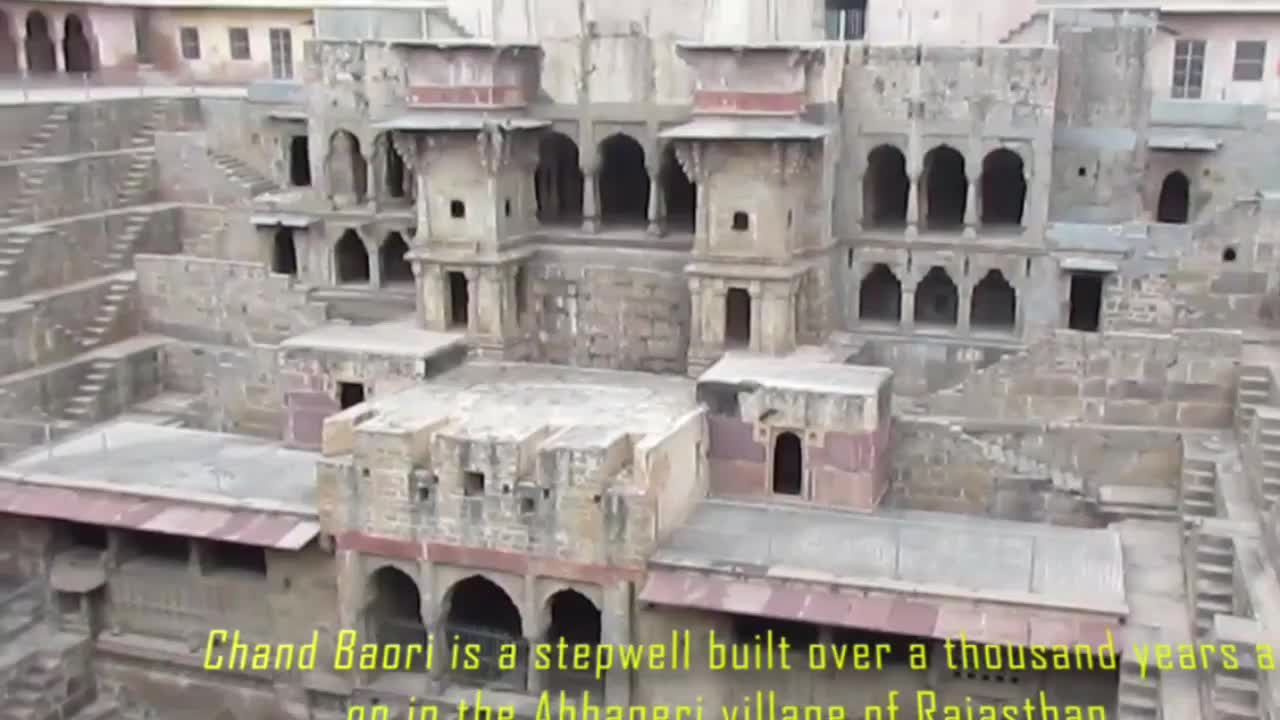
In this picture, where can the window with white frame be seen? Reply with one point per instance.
(846, 19)
(239, 39)
(1250, 63)
(1188, 68)
(282, 53)
(189, 39)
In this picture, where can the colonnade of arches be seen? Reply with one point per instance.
(479, 612)
(352, 263)
(944, 190)
(349, 170)
(33, 43)
(936, 299)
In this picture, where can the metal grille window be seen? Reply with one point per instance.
(1251, 56)
(1188, 69)
(846, 19)
(239, 38)
(189, 38)
(281, 53)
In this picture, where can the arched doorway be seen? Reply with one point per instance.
(788, 465)
(391, 261)
(1174, 205)
(393, 615)
(348, 173)
(558, 180)
(885, 188)
(8, 45)
(350, 259)
(77, 51)
(994, 303)
(946, 188)
(624, 181)
(393, 168)
(575, 622)
(41, 53)
(679, 194)
(482, 614)
(284, 253)
(937, 299)
(737, 318)
(880, 296)
(1004, 189)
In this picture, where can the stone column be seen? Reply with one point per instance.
(375, 264)
(913, 206)
(755, 340)
(473, 295)
(59, 62)
(20, 49)
(656, 210)
(971, 209)
(964, 309)
(908, 318)
(616, 630)
(590, 211)
(1026, 200)
(422, 210)
(695, 313)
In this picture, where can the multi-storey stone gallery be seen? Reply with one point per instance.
(596, 327)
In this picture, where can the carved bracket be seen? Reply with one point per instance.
(406, 146)
(692, 157)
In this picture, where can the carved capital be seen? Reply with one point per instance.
(495, 148)
(692, 157)
(790, 160)
(406, 146)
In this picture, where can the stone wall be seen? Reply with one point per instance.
(39, 393)
(921, 366)
(222, 301)
(1181, 379)
(937, 467)
(54, 188)
(619, 309)
(99, 126)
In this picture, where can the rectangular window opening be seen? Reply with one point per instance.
(1085, 310)
(1188, 69)
(239, 40)
(1250, 62)
(235, 557)
(472, 484)
(190, 41)
(350, 394)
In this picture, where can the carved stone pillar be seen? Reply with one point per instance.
(590, 213)
(908, 319)
(971, 208)
(655, 210)
(913, 206)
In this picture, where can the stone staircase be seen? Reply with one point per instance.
(1197, 495)
(40, 140)
(1253, 388)
(1020, 464)
(1212, 579)
(115, 300)
(1015, 35)
(120, 253)
(12, 249)
(1234, 695)
(84, 403)
(1138, 697)
(19, 209)
(137, 179)
(1267, 447)
(241, 173)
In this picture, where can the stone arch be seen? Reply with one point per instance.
(558, 179)
(946, 188)
(346, 168)
(77, 47)
(480, 612)
(575, 621)
(1174, 204)
(880, 295)
(350, 259)
(994, 303)
(393, 607)
(394, 172)
(679, 193)
(885, 188)
(40, 50)
(8, 45)
(937, 299)
(1004, 188)
(395, 269)
(624, 180)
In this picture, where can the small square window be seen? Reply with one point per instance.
(239, 39)
(741, 221)
(189, 39)
(472, 484)
(527, 506)
(1250, 62)
(457, 209)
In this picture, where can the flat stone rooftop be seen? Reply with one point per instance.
(391, 339)
(907, 552)
(138, 456)
(508, 400)
(798, 372)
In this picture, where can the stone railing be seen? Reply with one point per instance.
(108, 85)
